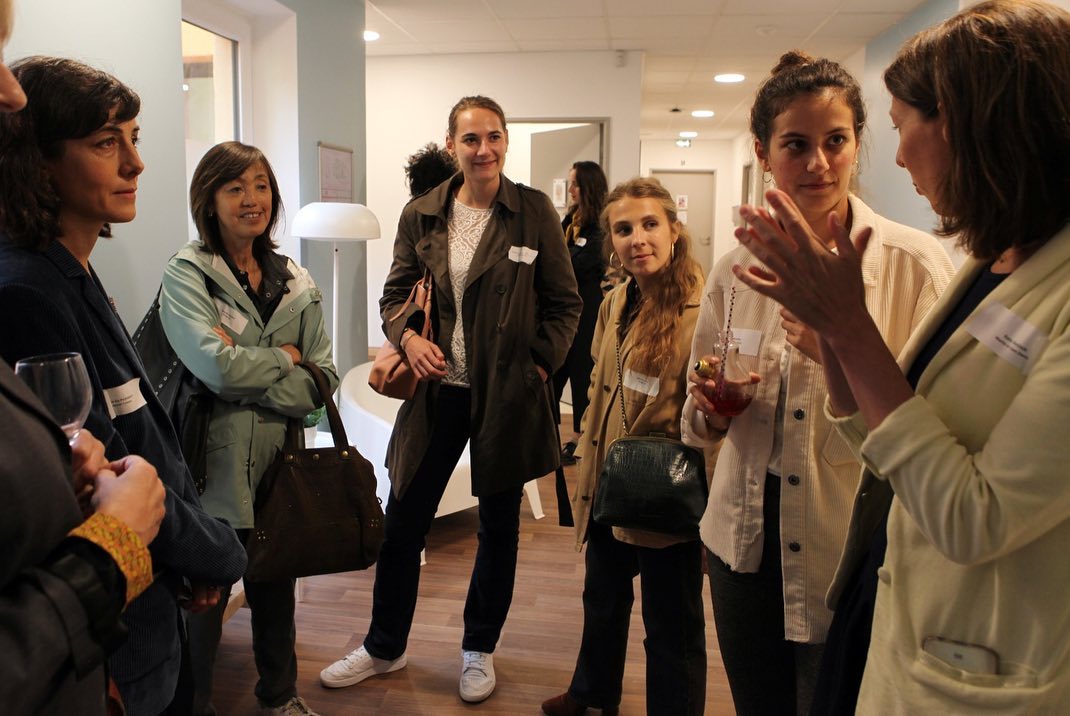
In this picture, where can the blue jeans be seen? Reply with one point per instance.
(408, 520)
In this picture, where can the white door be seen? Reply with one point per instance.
(695, 190)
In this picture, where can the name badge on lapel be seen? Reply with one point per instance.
(522, 254)
(124, 399)
(646, 384)
(231, 317)
(1008, 335)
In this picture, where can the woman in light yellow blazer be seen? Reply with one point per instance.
(970, 609)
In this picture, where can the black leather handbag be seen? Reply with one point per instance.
(650, 483)
(186, 399)
(316, 511)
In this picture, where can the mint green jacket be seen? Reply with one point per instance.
(255, 382)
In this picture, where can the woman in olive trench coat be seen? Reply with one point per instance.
(483, 384)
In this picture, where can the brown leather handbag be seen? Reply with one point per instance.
(391, 374)
(316, 511)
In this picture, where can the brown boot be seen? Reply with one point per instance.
(565, 705)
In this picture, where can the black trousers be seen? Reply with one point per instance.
(271, 605)
(671, 580)
(578, 363)
(768, 675)
(408, 519)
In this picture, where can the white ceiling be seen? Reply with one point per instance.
(686, 42)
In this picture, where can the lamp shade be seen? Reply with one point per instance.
(333, 221)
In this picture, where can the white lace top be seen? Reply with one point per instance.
(465, 230)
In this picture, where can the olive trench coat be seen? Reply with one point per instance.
(520, 309)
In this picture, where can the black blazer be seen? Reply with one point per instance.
(48, 304)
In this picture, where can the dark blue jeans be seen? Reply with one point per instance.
(408, 519)
(271, 607)
(767, 673)
(671, 580)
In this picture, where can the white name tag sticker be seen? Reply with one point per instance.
(124, 399)
(1008, 335)
(581, 242)
(646, 384)
(522, 254)
(750, 340)
(231, 317)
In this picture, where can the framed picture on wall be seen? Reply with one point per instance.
(336, 173)
(560, 193)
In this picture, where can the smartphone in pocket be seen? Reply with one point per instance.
(973, 658)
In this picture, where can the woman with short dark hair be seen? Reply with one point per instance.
(965, 573)
(69, 166)
(241, 317)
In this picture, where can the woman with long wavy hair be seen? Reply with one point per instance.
(647, 323)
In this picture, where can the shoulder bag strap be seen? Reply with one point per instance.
(620, 386)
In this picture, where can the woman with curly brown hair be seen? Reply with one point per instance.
(646, 323)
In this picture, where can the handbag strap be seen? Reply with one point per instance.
(424, 281)
(620, 387)
(338, 431)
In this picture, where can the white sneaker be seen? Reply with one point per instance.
(477, 676)
(356, 667)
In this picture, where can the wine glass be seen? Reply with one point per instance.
(734, 390)
(61, 382)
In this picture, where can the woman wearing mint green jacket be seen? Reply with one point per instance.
(240, 317)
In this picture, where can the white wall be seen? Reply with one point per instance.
(409, 99)
(883, 185)
(708, 155)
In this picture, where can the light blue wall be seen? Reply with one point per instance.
(885, 186)
(140, 43)
(330, 88)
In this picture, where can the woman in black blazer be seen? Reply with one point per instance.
(587, 189)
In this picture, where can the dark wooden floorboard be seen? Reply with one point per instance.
(533, 662)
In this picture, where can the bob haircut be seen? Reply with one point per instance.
(66, 99)
(999, 75)
(226, 162)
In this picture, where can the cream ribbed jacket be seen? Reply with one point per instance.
(904, 271)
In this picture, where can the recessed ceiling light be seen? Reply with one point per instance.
(683, 143)
(688, 135)
(729, 78)
(702, 113)
(371, 35)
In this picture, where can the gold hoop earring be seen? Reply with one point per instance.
(620, 264)
(672, 251)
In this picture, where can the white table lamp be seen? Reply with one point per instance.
(335, 222)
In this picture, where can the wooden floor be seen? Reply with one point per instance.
(533, 662)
